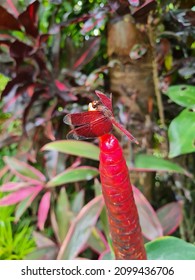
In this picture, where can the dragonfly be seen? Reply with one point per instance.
(96, 122)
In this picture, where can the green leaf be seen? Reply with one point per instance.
(80, 229)
(3, 82)
(73, 175)
(63, 214)
(46, 253)
(183, 95)
(170, 248)
(96, 241)
(182, 133)
(107, 255)
(152, 163)
(75, 148)
(78, 202)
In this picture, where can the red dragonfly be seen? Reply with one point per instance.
(99, 120)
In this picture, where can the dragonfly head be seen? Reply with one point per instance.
(93, 106)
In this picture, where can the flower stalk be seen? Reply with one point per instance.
(119, 200)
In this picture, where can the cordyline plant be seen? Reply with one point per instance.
(40, 82)
(32, 185)
(116, 186)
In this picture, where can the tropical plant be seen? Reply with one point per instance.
(53, 58)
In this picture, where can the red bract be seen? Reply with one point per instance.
(118, 195)
(116, 186)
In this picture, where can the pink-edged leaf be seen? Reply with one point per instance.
(84, 149)
(64, 215)
(70, 175)
(41, 240)
(29, 19)
(8, 21)
(80, 229)
(12, 7)
(43, 210)
(17, 196)
(150, 224)
(106, 255)
(170, 216)
(55, 226)
(3, 171)
(88, 54)
(13, 186)
(97, 241)
(24, 170)
(44, 253)
(24, 204)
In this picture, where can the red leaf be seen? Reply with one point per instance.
(88, 54)
(141, 12)
(28, 19)
(17, 196)
(8, 21)
(19, 50)
(22, 78)
(43, 210)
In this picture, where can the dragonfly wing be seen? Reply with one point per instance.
(106, 101)
(78, 119)
(91, 130)
(126, 132)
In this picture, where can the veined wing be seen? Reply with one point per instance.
(126, 132)
(83, 118)
(106, 101)
(91, 130)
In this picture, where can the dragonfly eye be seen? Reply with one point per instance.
(95, 104)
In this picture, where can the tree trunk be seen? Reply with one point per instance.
(131, 81)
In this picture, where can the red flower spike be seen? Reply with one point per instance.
(118, 195)
(116, 186)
